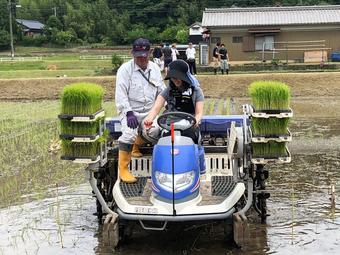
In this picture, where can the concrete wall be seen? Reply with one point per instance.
(331, 35)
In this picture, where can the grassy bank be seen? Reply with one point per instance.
(216, 86)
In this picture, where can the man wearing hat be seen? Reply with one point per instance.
(183, 94)
(138, 83)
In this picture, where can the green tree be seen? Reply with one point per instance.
(182, 36)
(4, 40)
(54, 22)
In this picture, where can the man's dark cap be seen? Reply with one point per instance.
(141, 47)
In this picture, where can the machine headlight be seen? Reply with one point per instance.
(182, 181)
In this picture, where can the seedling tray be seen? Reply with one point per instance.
(273, 113)
(279, 160)
(277, 138)
(83, 118)
(84, 160)
(80, 138)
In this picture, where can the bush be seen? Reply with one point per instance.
(33, 41)
(65, 37)
(4, 40)
(117, 61)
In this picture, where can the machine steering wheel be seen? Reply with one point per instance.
(182, 120)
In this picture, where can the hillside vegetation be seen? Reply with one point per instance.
(116, 22)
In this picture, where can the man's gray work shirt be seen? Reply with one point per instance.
(133, 91)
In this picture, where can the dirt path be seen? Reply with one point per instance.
(325, 84)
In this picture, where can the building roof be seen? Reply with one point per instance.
(271, 16)
(31, 24)
(196, 24)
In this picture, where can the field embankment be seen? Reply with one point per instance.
(217, 86)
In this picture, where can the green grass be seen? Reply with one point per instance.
(46, 73)
(60, 64)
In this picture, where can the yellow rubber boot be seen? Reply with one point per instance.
(124, 159)
(135, 148)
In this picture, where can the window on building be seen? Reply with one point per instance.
(215, 40)
(237, 39)
(264, 41)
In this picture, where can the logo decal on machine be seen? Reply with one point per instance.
(176, 152)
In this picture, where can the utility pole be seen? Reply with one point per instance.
(10, 27)
(55, 11)
(10, 6)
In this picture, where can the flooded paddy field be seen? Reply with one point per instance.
(46, 206)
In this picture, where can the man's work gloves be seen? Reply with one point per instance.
(132, 121)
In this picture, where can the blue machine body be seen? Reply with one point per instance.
(187, 158)
(186, 161)
(214, 124)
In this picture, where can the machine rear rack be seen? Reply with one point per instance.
(80, 138)
(265, 139)
(279, 160)
(83, 118)
(272, 113)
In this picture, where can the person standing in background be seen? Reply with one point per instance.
(191, 58)
(216, 57)
(174, 52)
(158, 56)
(224, 59)
(167, 57)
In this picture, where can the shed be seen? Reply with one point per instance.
(31, 27)
(274, 32)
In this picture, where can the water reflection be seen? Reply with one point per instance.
(302, 219)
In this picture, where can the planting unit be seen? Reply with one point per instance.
(270, 116)
(82, 124)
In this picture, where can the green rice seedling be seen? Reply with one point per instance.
(270, 126)
(226, 109)
(269, 95)
(83, 149)
(269, 150)
(72, 149)
(209, 107)
(81, 99)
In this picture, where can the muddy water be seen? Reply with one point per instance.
(301, 221)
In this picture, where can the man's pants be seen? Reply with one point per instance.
(192, 66)
(224, 65)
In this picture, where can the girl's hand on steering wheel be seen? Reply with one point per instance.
(148, 123)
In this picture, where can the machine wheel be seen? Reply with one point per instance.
(260, 199)
(106, 178)
(111, 231)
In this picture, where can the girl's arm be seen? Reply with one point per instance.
(154, 111)
(199, 111)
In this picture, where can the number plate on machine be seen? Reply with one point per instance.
(146, 210)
